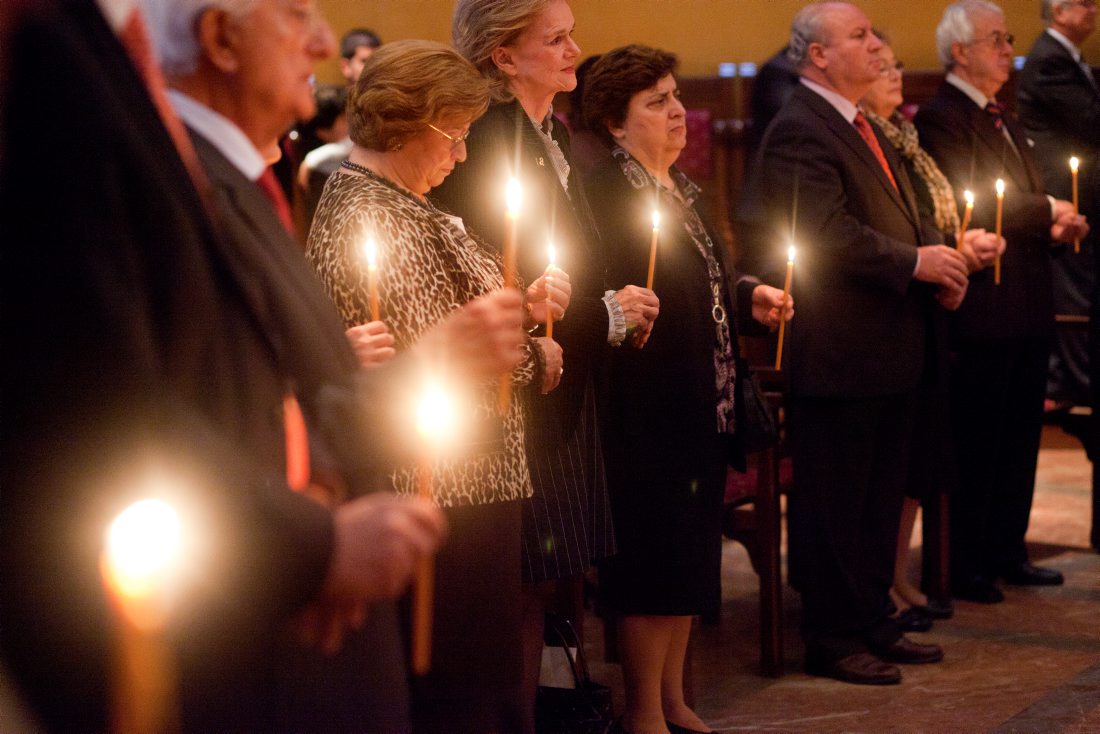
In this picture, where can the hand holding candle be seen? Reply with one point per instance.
(782, 320)
(969, 196)
(1074, 164)
(370, 252)
(513, 197)
(1000, 210)
(653, 248)
(435, 421)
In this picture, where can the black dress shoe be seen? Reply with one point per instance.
(862, 668)
(979, 589)
(936, 609)
(912, 653)
(914, 620)
(1025, 574)
(677, 729)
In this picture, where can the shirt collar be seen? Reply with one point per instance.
(842, 105)
(546, 124)
(968, 89)
(220, 132)
(1069, 45)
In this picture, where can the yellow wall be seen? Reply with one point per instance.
(702, 32)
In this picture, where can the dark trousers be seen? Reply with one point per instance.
(997, 388)
(850, 466)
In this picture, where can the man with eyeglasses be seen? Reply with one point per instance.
(1059, 104)
(1001, 334)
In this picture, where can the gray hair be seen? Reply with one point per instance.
(807, 27)
(956, 26)
(1046, 8)
(480, 26)
(173, 27)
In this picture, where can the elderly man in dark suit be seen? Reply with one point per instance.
(1058, 100)
(1001, 335)
(868, 273)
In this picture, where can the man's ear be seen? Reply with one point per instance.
(959, 55)
(816, 55)
(502, 57)
(217, 35)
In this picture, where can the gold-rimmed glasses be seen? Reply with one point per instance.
(455, 141)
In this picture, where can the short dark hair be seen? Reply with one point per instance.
(332, 101)
(615, 78)
(357, 37)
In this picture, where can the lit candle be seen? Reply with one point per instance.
(782, 308)
(435, 424)
(513, 196)
(1000, 210)
(551, 255)
(140, 561)
(1073, 165)
(653, 248)
(969, 196)
(370, 251)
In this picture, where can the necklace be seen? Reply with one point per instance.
(346, 163)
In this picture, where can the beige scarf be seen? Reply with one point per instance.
(903, 136)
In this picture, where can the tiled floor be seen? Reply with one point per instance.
(1031, 664)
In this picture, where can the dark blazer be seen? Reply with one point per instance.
(973, 153)
(860, 328)
(1060, 110)
(132, 335)
(504, 140)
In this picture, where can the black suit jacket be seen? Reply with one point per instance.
(132, 337)
(1060, 110)
(973, 153)
(504, 140)
(860, 326)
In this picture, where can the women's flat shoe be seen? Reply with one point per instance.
(937, 609)
(914, 620)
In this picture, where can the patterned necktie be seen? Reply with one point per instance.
(274, 193)
(868, 136)
(996, 110)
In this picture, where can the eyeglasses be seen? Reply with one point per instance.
(455, 142)
(998, 39)
(887, 69)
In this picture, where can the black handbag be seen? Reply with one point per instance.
(585, 709)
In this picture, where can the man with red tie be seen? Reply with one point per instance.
(1001, 335)
(869, 271)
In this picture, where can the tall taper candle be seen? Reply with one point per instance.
(653, 248)
(969, 196)
(1000, 210)
(513, 195)
(1073, 166)
(783, 321)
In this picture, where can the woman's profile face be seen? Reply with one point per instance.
(428, 157)
(544, 56)
(884, 96)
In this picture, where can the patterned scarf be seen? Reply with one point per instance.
(903, 136)
(725, 363)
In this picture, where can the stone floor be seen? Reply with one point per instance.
(1031, 664)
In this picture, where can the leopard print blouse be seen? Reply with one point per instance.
(428, 266)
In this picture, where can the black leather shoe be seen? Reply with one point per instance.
(677, 729)
(912, 653)
(936, 609)
(862, 668)
(914, 620)
(979, 589)
(1026, 574)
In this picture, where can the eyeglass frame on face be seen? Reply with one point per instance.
(455, 142)
(887, 67)
(1000, 40)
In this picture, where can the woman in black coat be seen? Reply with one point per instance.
(673, 409)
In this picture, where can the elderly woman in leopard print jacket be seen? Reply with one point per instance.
(409, 115)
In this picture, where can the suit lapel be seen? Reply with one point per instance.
(985, 133)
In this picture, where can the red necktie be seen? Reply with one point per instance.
(274, 193)
(135, 39)
(997, 111)
(868, 136)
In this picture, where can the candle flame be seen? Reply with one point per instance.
(370, 250)
(435, 415)
(969, 196)
(513, 197)
(551, 253)
(1073, 164)
(143, 549)
(790, 254)
(1000, 187)
(656, 219)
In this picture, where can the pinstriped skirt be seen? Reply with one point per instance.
(567, 523)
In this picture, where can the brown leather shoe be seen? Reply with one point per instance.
(862, 668)
(907, 651)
